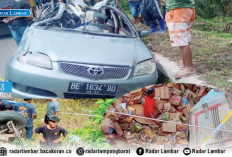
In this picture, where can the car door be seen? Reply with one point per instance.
(213, 111)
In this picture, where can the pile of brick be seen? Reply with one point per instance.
(174, 100)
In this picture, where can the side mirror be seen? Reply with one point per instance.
(143, 33)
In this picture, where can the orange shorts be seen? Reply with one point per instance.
(179, 22)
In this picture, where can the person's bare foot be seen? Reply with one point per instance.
(186, 72)
(181, 64)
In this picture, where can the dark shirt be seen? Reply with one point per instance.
(50, 136)
(22, 4)
(26, 109)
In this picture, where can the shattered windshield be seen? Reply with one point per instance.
(79, 17)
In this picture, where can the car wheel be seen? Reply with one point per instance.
(18, 119)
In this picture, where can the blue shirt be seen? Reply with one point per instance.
(26, 109)
(5, 102)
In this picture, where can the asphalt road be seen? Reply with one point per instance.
(7, 48)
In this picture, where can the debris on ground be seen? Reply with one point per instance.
(174, 100)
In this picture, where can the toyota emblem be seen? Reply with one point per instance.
(95, 71)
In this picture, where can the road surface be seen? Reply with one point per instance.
(7, 48)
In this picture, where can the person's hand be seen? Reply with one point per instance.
(43, 140)
(57, 141)
(10, 19)
(6, 20)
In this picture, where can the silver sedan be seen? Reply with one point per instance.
(63, 55)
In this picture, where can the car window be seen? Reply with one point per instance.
(103, 21)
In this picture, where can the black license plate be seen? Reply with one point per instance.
(90, 88)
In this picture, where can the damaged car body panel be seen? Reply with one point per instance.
(89, 48)
(95, 55)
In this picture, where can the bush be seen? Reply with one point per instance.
(213, 8)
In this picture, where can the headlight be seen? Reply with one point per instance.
(36, 59)
(145, 68)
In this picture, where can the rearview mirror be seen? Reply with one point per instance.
(143, 33)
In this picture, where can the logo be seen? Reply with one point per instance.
(95, 71)
(14, 12)
(140, 151)
(23, 108)
(80, 151)
(187, 151)
(6, 87)
(3, 151)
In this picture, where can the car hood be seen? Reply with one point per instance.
(69, 46)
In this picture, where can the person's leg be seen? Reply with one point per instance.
(40, 5)
(186, 53)
(148, 19)
(138, 6)
(164, 11)
(15, 34)
(186, 59)
(157, 15)
(141, 12)
(21, 30)
(153, 12)
(134, 12)
(92, 2)
(162, 26)
(29, 131)
(181, 62)
(182, 18)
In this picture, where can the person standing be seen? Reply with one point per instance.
(51, 134)
(151, 110)
(179, 18)
(30, 113)
(18, 25)
(53, 109)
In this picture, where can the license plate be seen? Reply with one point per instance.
(90, 88)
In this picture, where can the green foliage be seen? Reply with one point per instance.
(213, 8)
(103, 106)
(91, 135)
(27, 144)
(225, 35)
(125, 6)
(218, 26)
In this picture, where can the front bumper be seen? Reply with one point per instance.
(56, 82)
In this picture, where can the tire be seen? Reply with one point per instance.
(18, 119)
